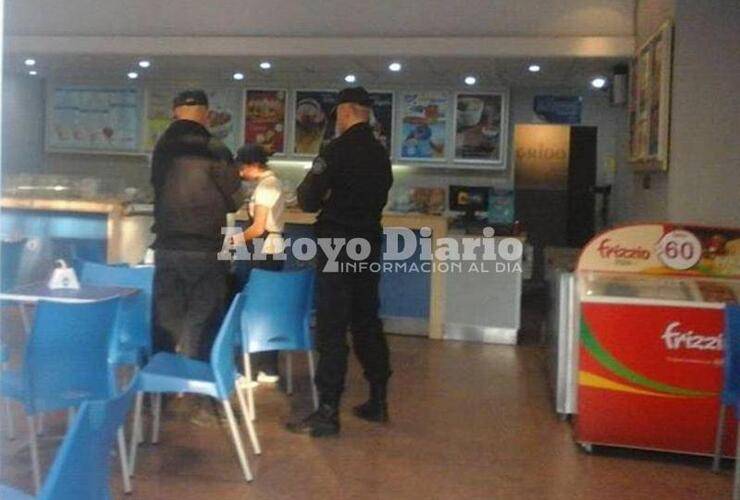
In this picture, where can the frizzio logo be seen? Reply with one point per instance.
(675, 339)
(616, 251)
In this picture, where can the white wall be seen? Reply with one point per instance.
(703, 180)
(23, 118)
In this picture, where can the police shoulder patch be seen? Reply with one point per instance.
(319, 166)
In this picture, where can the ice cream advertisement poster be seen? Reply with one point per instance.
(93, 119)
(665, 249)
(424, 117)
(264, 118)
(224, 105)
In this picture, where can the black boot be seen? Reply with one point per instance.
(374, 409)
(323, 422)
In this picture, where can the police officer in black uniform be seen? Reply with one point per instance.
(348, 183)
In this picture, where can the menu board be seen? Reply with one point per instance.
(223, 123)
(314, 125)
(95, 119)
(424, 125)
(264, 119)
(478, 127)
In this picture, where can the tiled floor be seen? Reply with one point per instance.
(468, 421)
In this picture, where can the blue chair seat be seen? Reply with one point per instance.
(168, 372)
(11, 385)
(8, 493)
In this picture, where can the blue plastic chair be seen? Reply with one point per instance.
(731, 390)
(65, 364)
(81, 469)
(277, 317)
(134, 326)
(170, 373)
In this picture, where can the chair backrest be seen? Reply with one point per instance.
(81, 469)
(223, 361)
(66, 360)
(731, 390)
(135, 323)
(277, 311)
(10, 257)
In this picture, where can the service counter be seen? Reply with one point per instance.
(422, 298)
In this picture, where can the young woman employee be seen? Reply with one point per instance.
(266, 214)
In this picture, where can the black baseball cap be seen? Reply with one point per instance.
(190, 98)
(355, 95)
(251, 153)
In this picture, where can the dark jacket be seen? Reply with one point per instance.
(195, 186)
(348, 182)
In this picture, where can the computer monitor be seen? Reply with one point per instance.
(469, 199)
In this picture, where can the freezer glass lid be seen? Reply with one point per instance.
(639, 287)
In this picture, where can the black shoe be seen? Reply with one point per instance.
(376, 407)
(321, 423)
(372, 411)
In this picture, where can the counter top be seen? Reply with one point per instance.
(437, 223)
(102, 205)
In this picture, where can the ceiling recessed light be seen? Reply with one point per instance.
(33, 72)
(238, 76)
(144, 63)
(470, 80)
(133, 75)
(30, 62)
(350, 78)
(395, 67)
(265, 65)
(599, 82)
(534, 68)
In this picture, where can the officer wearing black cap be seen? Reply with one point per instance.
(348, 184)
(195, 185)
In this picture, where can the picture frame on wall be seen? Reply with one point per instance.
(649, 101)
(265, 119)
(93, 119)
(223, 116)
(382, 118)
(479, 127)
(423, 126)
(313, 124)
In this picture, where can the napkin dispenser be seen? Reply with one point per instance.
(63, 277)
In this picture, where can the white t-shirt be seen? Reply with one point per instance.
(269, 194)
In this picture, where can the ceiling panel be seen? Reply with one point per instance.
(321, 18)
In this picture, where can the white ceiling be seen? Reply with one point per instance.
(327, 18)
(325, 71)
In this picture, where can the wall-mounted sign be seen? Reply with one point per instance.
(424, 125)
(541, 156)
(93, 119)
(559, 109)
(649, 101)
(264, 119)
(314, 125)
(223, 121)
(479, 127)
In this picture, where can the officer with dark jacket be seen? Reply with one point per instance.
(195, 186)
(348, 183)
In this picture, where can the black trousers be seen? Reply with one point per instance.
(190, 293)
(349, 298)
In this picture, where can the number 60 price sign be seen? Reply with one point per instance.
(679, 249)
